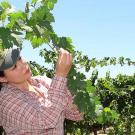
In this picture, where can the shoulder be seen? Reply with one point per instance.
(41, 79)
(5, 90)
(8, 94)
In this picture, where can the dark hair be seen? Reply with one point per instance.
(1, 75)
(2, 131)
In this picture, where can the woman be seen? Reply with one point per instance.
(34, 105)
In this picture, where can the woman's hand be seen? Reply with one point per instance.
(64, 63)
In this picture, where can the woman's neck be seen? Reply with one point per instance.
(27, 86)
(23, 86)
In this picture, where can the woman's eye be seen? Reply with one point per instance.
(19, 58)
(14, 67)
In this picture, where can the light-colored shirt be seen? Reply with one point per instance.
(23, 112)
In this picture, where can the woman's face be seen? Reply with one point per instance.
(19, 73)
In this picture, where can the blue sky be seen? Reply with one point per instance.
(98, 28)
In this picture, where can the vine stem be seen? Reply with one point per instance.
(53, 48)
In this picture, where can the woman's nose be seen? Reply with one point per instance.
(21, 60)
(21, 63)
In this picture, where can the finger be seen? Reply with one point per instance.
(61, 50)
(64, 56)
(71, 58)
(67, 58)
(61, 58)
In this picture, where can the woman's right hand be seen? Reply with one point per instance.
(64, 63)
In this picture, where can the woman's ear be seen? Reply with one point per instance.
(3, 79)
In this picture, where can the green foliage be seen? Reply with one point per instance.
(9, 38)
(119, 94)
(4, 10)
